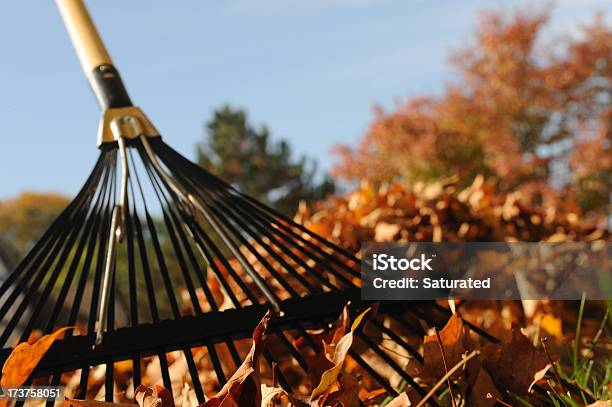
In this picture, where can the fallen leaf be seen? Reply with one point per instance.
(400, 401)
(271, 395)
(483, 392)
(515, 365)
(551, 324)
(601, 403)
(347, 394)
(165, 395)
(455, 341)
(330, 376)
(386, 232)
(319, 363)
(147, 397)
(25, 357)
(243, 389)
(366, 395)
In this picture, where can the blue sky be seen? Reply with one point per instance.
(311, 70)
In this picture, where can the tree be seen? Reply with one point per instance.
(25, 218)
(264, 169)
(533, 119)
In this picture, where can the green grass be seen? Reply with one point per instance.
(588, 375)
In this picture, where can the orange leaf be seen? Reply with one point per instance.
(25, 357)
(330, 376)
(347, 394)
(366, 395)
(455, 342)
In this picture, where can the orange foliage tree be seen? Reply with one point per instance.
(528, 117)
(24, 219)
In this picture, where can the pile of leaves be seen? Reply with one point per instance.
(440, 212)
(459, 368)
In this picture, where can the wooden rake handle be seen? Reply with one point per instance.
(95, 60)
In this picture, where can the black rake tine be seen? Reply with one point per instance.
(163, 363)
(397, 339)
(84, 239)
(397, 368)
(193, 372)
(165, 148)
(254, 233)
(51, 232)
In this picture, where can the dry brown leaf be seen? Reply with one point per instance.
(270, 396)
(483, 392)
(319, 363)
(455, 342)
(243, 389)
(347, 394)
(515, 365)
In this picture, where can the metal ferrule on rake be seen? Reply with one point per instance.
(102, 75)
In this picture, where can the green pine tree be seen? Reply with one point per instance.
(247, 158)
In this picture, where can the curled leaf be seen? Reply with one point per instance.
(147, 397)
(271, 395)
(243, 389)
(340, 350)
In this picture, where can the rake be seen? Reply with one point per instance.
(155, 255)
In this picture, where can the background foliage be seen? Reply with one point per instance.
(530, 114)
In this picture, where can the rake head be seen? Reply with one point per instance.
(156, 255)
